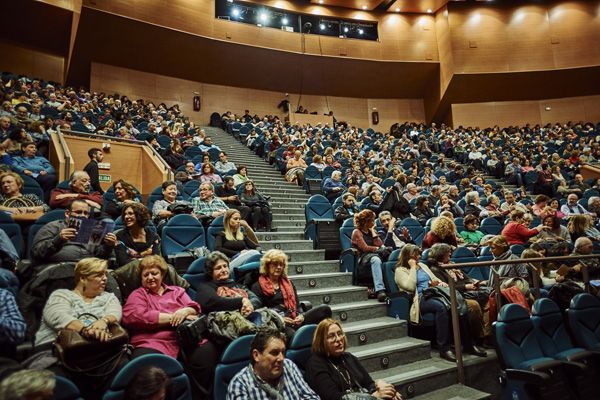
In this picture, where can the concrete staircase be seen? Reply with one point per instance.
(379, 341)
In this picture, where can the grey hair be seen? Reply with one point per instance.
(77, 175)
(438, 250)
(336, 173)
(470, 196)
(592, 199)
(384, 214)
(27, 383)
(581, 241)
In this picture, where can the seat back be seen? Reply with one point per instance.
(182, 232)
(584, 320)
(517, 249)
(194, 276)
(31, 186)
(490, 226)
(215, 227)
(235, 357)
(190, 187)
(515, 336)
(64, 389)
(299, 350)
(550, 328)
(318, 208)
(41, 221)
(179, 380)
(13, 230)
(347, 259)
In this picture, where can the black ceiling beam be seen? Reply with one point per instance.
(384, 5)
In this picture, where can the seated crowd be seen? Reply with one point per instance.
(120, 280)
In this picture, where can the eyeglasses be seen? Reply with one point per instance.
(334, 336)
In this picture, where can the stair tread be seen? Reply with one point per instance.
(350, 327)
(339, 289)
(387, 346)
(312, 262)
(320, 275)
(356, 305)
(454, 392)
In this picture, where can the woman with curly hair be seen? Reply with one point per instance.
(208, 174)
(366, 240)
(443, 230)
(136, 240)
(124, 194)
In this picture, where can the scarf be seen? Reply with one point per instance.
(225, 291)
(272, 392)
(287, 290)
(456, 274)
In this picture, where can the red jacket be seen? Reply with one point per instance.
(63, 203)
(516, 233)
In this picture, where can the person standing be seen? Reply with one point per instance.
(96, 156)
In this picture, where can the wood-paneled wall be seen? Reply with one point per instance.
(217, 98)
(406, 37)
(497, 38)
(24, 61)
(533, 112)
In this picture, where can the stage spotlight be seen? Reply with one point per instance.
(322, 27)
(284, 21)
(346, 29)
(235, 12)
(360, 31)
(263, 16)
(307, 27)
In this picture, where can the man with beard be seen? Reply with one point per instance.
(79, 188)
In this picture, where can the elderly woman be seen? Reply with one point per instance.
(238, 245)
(447, 204)
(208, 175)
(136, 240)
(332, 372)
(474, 206)
(295, 169)
(540, 201)
(260, 212)
(423, 210)
(86, 309)
(219, 292)
(15, 202)
(500, 249)
(555, 232)
(124, 194)
(413, 277)
(367, 241)
(443, 230)
(277, 292)
(160, 209)
(153, 312)
(516, 232)
(439, 254)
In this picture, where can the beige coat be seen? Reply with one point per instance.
(406, 279)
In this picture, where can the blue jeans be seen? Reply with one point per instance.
(442, 321)
(377, 273)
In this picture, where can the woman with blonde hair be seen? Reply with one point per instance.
(237, 244)
(581, 225)
(413, 276)
(443, 230)
(332, 372)
(277, 292)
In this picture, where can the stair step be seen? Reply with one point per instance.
(358, 311)
(321, 280)
(290, 197)
(292, 205)
(454, 392)
(374, 330)
(287, 245)
(279, 235)
(426, 376)
(337, 295)
(392, 353)
(289, 222)
(287, 211)
(306, 255)
(313, 267)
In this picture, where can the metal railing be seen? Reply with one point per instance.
(481, 264)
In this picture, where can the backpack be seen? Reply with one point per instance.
(562, 293)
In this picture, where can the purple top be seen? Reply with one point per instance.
(140, 316)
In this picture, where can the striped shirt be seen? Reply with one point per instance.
(12, 324)
(202, 207)
(244, 387)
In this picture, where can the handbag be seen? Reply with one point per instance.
(92, 357)
(442, 294)
(180, 208)
(358, 396)
(190, 333)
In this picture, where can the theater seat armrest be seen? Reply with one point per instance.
(544, 366)
(532, 377)
(23, 351)
(582, 355)
(306, 305)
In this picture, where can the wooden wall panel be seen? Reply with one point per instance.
(442, 31)
(31, 62)
(586, 108)
(356, 111)
(497, 38)
(406, 37)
